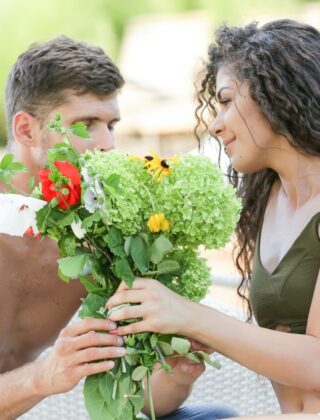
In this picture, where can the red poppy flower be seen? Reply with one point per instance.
(67, 194)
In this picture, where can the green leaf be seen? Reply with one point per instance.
(95, 403)
(62, 277)
(168, 266)
(6, 161)
(123, 271)
(139, 252)
(115, 242)
(67, 219)
(139, 373)
(87, 284)
(79, 130)
(31, 182)
(180, 345)
(91, 305)
(154, 340)
(72, 266)
(42, 217)
(165, 348)
(208, 360)
(62, 151)
(113, 182)
(193, 357)
(89, 221)
(116, 308)
(159, 249)
(67, 246)
(9, 168)
(137, 400)
(127, 245)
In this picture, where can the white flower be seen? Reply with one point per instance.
(93, 197)
(78, 231)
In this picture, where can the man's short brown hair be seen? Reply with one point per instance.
(42, 76)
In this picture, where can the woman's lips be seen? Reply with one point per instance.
(226, 143)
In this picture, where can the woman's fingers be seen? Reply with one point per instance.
(125, 296)
(138, 283)
(135, 311)
(136, 327)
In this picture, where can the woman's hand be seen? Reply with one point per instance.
(161, 310)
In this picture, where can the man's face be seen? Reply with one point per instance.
(100, 114)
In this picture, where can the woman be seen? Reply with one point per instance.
(264, 86)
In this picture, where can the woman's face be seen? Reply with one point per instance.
(244, 132)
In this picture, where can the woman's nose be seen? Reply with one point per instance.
(216, 127)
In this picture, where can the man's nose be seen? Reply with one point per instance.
(105, 140)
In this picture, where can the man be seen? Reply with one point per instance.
(81, 83)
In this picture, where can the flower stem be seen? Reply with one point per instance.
(18, 190)
(153, 416)
(150, 197)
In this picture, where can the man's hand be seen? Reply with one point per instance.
(79, 351)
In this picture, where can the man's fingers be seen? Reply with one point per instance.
(96, 339)
(99, 353)
(86, 325)
(92, 368)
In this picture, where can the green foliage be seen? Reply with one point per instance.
(9, 168)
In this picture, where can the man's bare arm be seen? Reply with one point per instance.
(62, 368)
(18, 392)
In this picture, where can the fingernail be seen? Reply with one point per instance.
(121, 351)
(112, 325)
(120, 341)
(110, 365)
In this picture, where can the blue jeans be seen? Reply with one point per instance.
(201, 412)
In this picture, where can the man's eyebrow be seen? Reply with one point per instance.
(90, 118)
(218, 95)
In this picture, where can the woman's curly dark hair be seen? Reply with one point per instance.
(281, 63)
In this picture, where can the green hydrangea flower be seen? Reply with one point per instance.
(202, 208)
(195, 279)
(128, 208)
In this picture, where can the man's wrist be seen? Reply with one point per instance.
(35, 380)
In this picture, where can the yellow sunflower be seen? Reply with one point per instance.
(158, 167)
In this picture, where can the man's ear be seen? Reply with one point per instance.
(26, 129)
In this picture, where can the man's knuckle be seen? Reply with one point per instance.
(92, 337)
(90, 353)
(61, 347)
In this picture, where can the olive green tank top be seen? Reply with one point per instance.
(284, 296)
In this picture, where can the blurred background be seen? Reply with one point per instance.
(158, 45)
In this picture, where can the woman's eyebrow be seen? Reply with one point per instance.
(218, 96)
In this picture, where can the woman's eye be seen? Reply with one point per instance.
(225, 101)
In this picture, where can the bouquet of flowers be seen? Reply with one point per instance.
(116, 217)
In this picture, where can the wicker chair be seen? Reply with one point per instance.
(233, 384)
